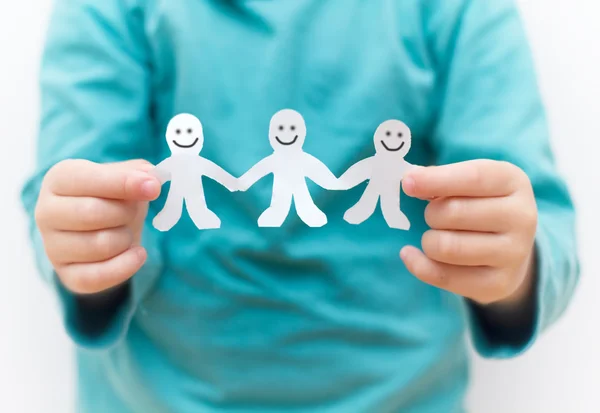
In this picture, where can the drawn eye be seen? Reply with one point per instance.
(189, 131)
(178, 131)
(400, 134)
(292, 127)
(388, 133)
(280, 127)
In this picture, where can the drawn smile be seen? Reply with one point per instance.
(392, 149)
(185, 146)
(287, 143)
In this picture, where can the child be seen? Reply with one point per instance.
(295, 318)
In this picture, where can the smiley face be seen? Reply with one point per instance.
(287, 130)
(185, 134)
(393, 137)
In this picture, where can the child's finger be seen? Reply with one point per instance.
(466, 248)
(115, 181)
(477, 178)
(71, 247)
(471, 214)
(481, 284)
(85, 213)
(91, 278)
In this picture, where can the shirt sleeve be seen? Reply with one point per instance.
(95, 105)
(491, 108)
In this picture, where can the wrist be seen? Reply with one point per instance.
(95, 312)
(511, 320)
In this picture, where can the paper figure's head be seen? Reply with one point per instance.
(184, 134)
(393, 138)
(287, 130)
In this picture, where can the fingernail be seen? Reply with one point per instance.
(409, 185)
(149, 187)
(404, 254)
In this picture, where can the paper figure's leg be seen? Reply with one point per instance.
(390, 206)
(202, 217)
(281, 201)
(364, 208)
(171, 212)
(306, 208)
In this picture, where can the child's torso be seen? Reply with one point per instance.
(294, 316)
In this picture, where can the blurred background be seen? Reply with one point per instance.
(560, 374)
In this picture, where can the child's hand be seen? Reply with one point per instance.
(91, 217)
(483, 217)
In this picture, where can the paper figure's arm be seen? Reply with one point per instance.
(162, 171)
(357, 173)
(407, 167)
(254, 174)
(317, 171)
(218, 174)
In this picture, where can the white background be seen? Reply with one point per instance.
(562, 372)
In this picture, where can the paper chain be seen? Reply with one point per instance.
(290, 166)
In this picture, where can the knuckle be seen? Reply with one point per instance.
(529, 220)
(128, 213)
(89, 280)
(508, 168)
(45, 214)
(518, 176)
(431, 214)
(65, 168)
(124, 185)
(447, 245)
(86, 283)
(109, 242)
(453, 210)
(518, 173)
(65, 278)
(54, 248)
(52, 175)
(76, 281)
(477, 175)
(90, 211)
(439, 244)
(525, 216)
(520, 240)
(62, 172)
(40, 214)
(57, 169)
(428, 243)
(103, 243)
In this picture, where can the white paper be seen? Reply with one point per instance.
(384, 171)
(185, 168)
(290, 167)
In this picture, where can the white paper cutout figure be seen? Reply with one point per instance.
(384, 171)
(290, 167)
(185, 168)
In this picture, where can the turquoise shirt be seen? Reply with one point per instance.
(293, 318)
